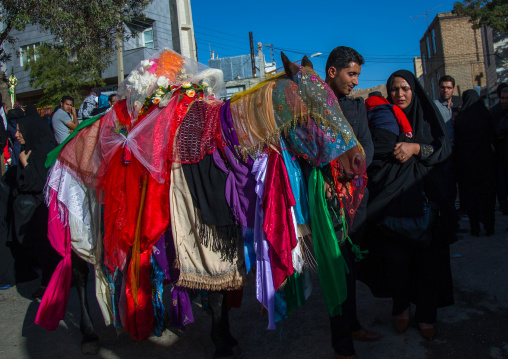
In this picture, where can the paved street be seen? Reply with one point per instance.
(476, 327)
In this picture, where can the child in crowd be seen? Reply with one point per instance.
(384, 115)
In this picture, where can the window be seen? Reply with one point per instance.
(428, 47)
(144, 34)
(432, 88)
(27, 53)
(423, 66)
(434, 42)
(147, 36)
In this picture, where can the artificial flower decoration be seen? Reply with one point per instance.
(163, 82)
(186, 85)
(190, 93)
(146, 64)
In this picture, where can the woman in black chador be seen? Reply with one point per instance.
(30, 212)
(475, 160)
(404, 179)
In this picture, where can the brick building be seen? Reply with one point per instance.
(451, 47)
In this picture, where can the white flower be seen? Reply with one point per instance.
(190, 93)
(186, 85)
(163, 82)
(146, 64)
(159, 92)
(204, 84)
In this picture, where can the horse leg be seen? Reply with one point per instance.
(225, 345)
(90, 341)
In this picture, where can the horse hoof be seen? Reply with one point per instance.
(90, 344)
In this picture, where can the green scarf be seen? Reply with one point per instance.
(331, 265)
(293, 292)
(53, 155)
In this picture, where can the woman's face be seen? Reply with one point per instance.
(401, 92)
(19, 136)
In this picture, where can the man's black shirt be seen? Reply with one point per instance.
(356, 114)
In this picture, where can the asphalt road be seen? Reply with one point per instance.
(475, 327)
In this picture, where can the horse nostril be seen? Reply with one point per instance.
(357, 163)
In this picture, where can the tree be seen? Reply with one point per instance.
(57, 76)
(493, 13)
(86, 28)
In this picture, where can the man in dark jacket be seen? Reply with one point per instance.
(342, 70)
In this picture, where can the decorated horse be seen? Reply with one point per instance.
(197, 192)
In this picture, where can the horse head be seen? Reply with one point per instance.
(319, 131)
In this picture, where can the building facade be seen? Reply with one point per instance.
(167, 24)
(450, 46)
(237, 72)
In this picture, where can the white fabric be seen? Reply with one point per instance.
(296, 253)
(84, 216)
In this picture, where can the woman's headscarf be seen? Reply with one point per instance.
(31, 111)
(469, 97)
(38, 139)
(473, 139)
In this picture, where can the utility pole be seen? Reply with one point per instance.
(261, 58)
(252, 58)
(426, 13)
(119, 53)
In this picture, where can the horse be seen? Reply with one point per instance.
(297, 108)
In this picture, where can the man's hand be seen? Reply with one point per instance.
(330, 191)
(23, 157)
(73, 111)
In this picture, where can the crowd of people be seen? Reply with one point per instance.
(418, 152)
(26, 139)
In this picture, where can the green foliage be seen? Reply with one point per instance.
(493, 13)
(86, 28)
(58, 76)
(85, 31)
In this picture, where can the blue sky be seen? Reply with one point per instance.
(382, 31)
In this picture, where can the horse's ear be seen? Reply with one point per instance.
(290, 68)
(306, 62)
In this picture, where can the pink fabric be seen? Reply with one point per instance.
(54, 301)
(278, 223)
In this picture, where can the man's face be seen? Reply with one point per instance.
(446, 89)
(504, 100)
(113, 100)
(342, 82)
(67, 106)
